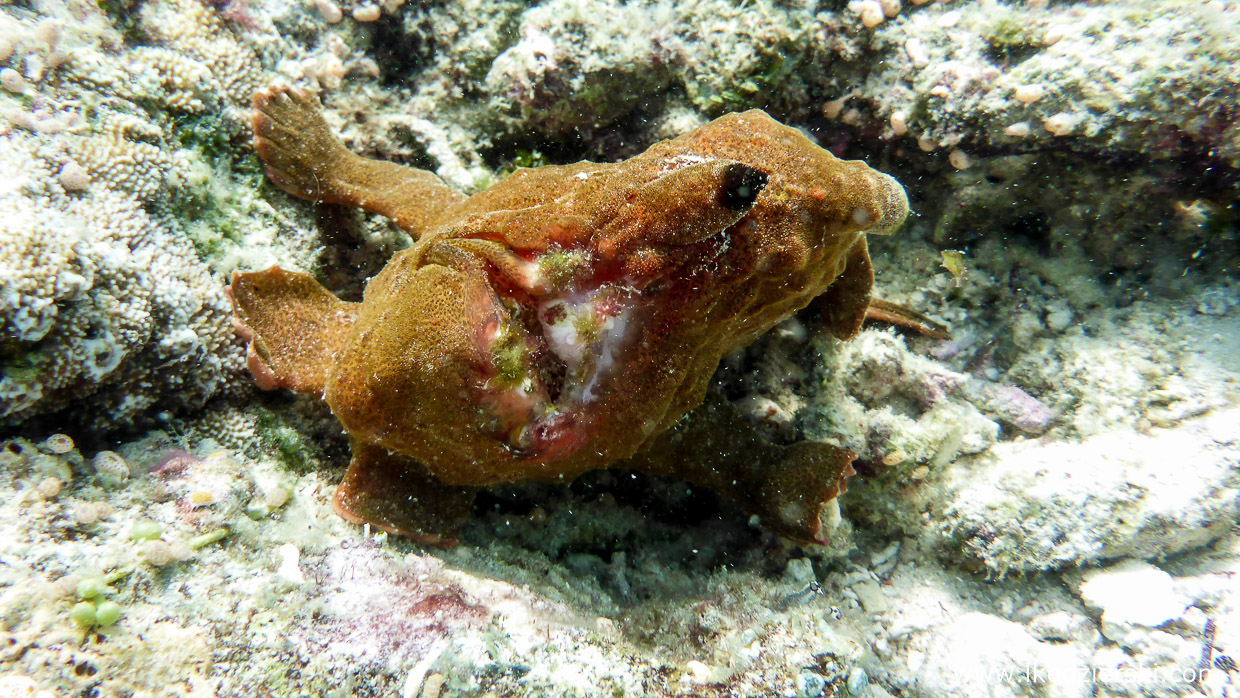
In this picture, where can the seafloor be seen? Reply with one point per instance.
(1046, 504)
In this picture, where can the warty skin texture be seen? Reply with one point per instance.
(568, 317)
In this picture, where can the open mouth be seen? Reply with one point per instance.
(550, 345)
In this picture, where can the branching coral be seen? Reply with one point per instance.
(195, 32)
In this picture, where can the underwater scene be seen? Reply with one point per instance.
(576, 348)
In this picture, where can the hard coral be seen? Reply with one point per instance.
(576, 68)
(106, 306)
(879, 398)
(197, 31)
(192, 61)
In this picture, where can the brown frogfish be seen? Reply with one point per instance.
(567, 318)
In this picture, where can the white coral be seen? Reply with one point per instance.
(194, 31)
(104, 307)
(125, 156)
(198, 62)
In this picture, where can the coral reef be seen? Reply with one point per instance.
(109, 310)
(108, 307)
(297, 602)
(1002, 655)
(118, 200)
(971, 73)
(1049, 495)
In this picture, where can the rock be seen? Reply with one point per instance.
(1010, 405)
(1132, 593)
(810, 685)
(870, 594)
(857, 681)
(1153, 663)
(800, 571)
(1063, 626)
(1029, 506)
(985, 656)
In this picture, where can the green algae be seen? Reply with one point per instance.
(294, 450)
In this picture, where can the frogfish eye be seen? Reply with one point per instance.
(741, 185)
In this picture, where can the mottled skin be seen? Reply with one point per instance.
(568, 317)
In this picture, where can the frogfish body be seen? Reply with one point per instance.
(568, 318)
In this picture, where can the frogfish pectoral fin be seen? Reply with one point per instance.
(397, 494)
(796, 483)
(294, 327)
(785, 486)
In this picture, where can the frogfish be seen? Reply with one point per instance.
(567, 318)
